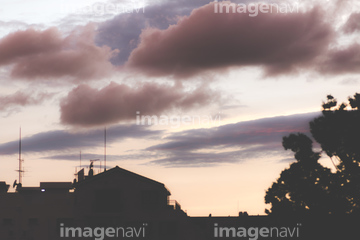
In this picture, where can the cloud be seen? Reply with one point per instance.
(15, 24)
(342, 60)
(109, 158)
(46, 54)
(350, 81)
(87, 107)
(229, 143)
(246, 140)
(353, 23)
(261, 131)
(195, 159)
(7, 27)
(62, 140)
(122, 32)
(281, 43)
(20, 98)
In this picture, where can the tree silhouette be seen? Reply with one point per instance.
(338, 132)
(307, 187)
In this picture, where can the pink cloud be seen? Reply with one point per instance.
(341, 61)
(22, 99)
(46, 54)
(216, 41)
(87, 107)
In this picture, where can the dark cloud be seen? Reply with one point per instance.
(158, 44)
(250, 139)
(195, 159)
(87, 156)
(192, 148)
(183, 39)
(213, 41)
(22, 99)
(87, 107)
(46, 54)
(123, 31)
(261, 131)
(342, 61)
(76, 157)
(62, 140)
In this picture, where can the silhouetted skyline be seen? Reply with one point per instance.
(70, 69)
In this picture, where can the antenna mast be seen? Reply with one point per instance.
(20, 160)
(104, 149)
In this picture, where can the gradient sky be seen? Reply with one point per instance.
(242, 82)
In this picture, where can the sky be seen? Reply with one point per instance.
(221, 82)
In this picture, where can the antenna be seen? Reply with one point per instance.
(20, 170)
(104, 149)
(20, 155)
(76, 171)
(91, 171)
(94, 160)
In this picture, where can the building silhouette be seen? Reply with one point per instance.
(116, 197)
(137, 207)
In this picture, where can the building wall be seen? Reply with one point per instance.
(115, 198)
(121, 196)
(33, 215)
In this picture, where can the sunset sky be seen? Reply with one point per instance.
(241, 82)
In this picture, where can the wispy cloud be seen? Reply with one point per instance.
(21, 98)
(62, 140)
(230, 143)
(211, 159)
(110, 158)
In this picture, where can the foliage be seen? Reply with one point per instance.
(307, 187)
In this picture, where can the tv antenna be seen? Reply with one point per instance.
(92, 163)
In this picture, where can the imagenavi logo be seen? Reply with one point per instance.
(254, 233)
(253, 9)
(100, 233)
